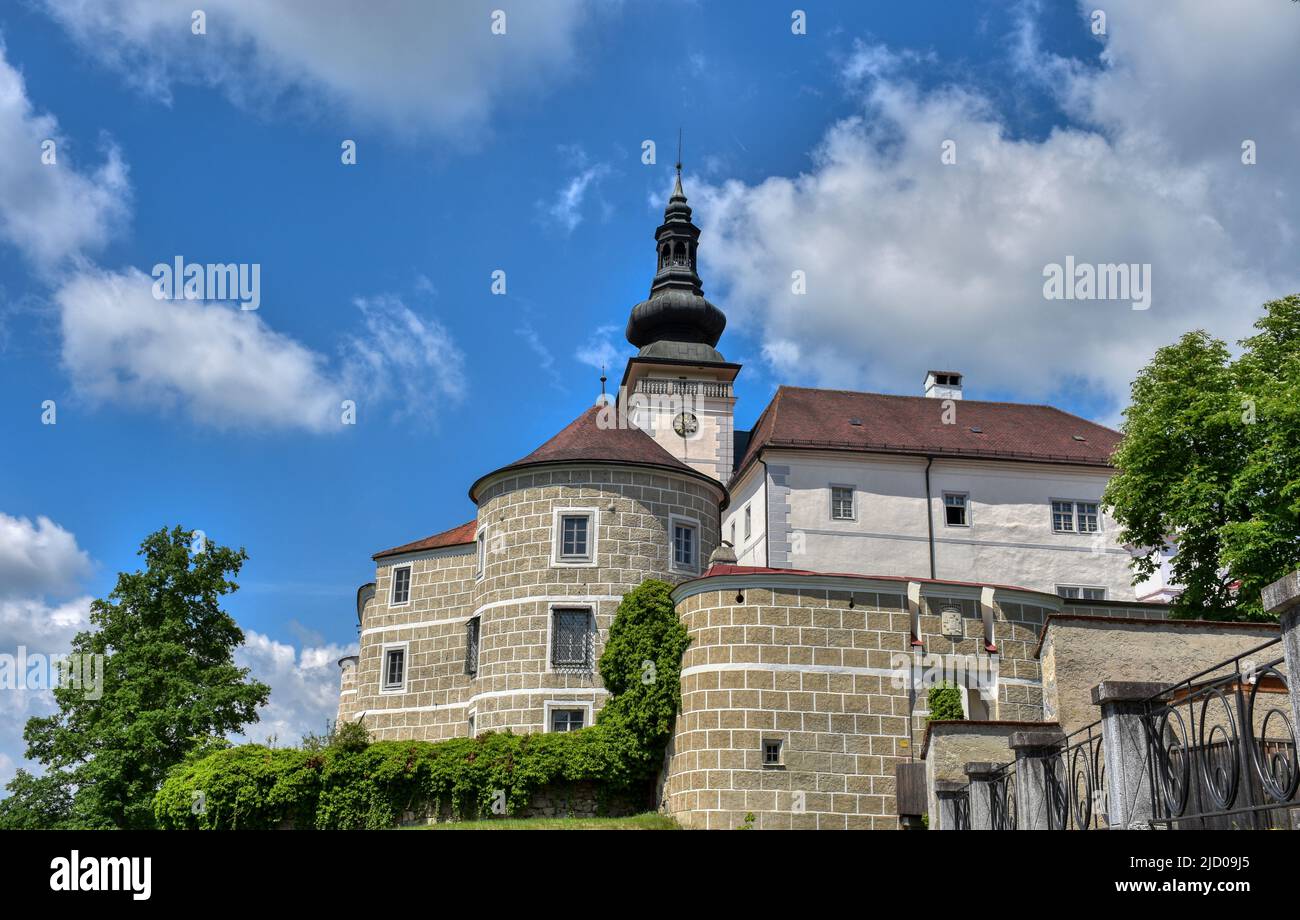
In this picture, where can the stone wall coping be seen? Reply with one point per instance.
(1230, 625)
(1283, 594)
(1044, 737)
(982, 769)
(948, 787)
(1127, 691)
(943, 727)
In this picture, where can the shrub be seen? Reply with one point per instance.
(944, 702)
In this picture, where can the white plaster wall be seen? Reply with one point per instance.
(748, 492)
(1010, 540)
(708, 450)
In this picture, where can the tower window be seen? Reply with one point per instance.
(401, 586)
(575, 537)
(571, 639)
(685, 547)
(772, 752)
(567, 720)
(394, 669)
(471, 646)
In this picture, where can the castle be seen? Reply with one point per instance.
(822, 560)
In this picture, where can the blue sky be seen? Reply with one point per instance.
(522, 152)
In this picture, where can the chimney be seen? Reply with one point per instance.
(943, 385)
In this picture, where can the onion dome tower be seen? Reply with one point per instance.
(677, 388)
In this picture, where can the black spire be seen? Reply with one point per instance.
(676, 321)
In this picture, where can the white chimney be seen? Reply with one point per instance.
(943, 385)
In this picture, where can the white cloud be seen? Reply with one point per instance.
(565, 211)
(410, 66)
(304, 686)
(602, 351)
(38, 557)
(912, 264)
(227, 368)
(50, 211)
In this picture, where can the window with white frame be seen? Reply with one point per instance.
(394, 668)
(1070, 516)
(733, 533)
(575, 537)
(481, 566)
(572, 639)
(772, 751)
(401, 593)
(1081, 592)
(567, 720)
(749, 522)
(686, 548)
(956, 509)
(841, 503)
(471, 646)
(471, 721)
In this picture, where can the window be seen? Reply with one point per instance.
(473, 718)
(1079, 592)
(749, 529)
(841, 503)
(401, 586)
(482, 555)
(956, 513)
(394, 675)
(571, 640)
(575, 537)
(1075, 517)
(686, 548)
(733, 533)
(771, 752)
(567, 720)
(471, 646)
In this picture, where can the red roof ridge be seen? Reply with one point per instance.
(455, 536)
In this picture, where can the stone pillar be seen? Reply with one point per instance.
(948, 792)
(1036, 752)
(1282, 598)
(982, 783)
(1129, 804)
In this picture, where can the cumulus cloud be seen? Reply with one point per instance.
(38, 560)
(947, 261)
(412, 67)
(48, 209)
(304, 686)
(565, 210)
(38, 557)
(604, 349)
(227, 368)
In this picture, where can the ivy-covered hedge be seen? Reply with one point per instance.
(352, 784)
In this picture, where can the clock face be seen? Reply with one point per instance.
(686, 424)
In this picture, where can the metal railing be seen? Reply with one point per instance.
(1222, 747)
(1004, 798)
(1076, 782)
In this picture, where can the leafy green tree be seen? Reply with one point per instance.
(37, 803)
(1211, 460)
(171, 687)
(641, 666)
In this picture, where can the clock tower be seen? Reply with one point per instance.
(677, 388)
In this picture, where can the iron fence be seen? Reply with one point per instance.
(1004, 798)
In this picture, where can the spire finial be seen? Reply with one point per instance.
(677, 185)
(603, 378)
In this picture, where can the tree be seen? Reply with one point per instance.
(943, 701)
(1211, 459)
(170, 683)
(37, 803)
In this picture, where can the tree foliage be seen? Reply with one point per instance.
(170, 689)
(943, 700)
(1211, 460)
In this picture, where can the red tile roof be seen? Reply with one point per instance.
(457, 536)
(589, 438)
(798, 417)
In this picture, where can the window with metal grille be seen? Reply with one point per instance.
(394, 669)
(771, 753)
(471, 646)
(841, 503)
(571, 640)
(575, 537)
(401, 585)
(567, 720)
(684, 546)
(955, 509)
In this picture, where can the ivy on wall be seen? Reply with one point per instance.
(352, 783)
(944, 702)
